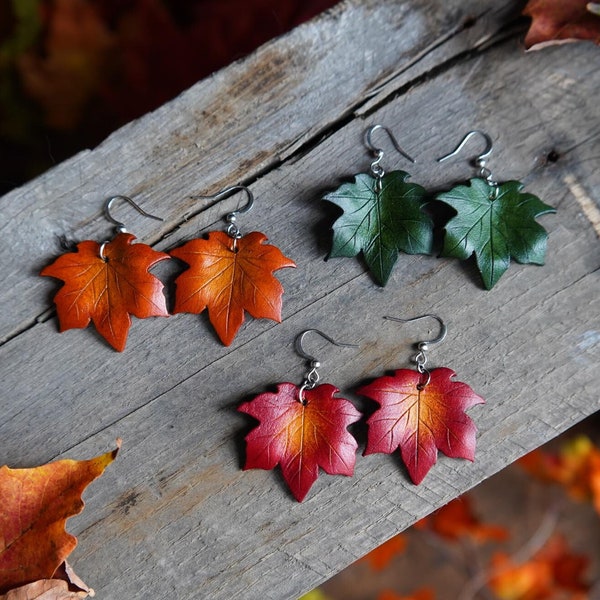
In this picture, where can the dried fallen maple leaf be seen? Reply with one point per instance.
(420, 420)
(229, 281)
(36, 504)
(106, 291)
(45, 589)
(560, 21)
(301, 437)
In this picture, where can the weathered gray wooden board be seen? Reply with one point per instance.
(175, 516)
(228, 128)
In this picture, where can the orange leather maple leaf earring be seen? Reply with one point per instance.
(302, 428)
(421, 411)
(229, 273)
(106, 283)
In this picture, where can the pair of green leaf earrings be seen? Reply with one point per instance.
(383, 215)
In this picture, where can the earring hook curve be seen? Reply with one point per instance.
(441, 336)
(300, 338)
(238, 211)
(487, 151)
(233, 230)
(423, 346)
(379, 151)
(121, 226)
(312, 376)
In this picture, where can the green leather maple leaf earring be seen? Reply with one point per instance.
(382, 215)
(494, 221)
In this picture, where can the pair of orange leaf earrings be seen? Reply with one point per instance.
(228, 274)
(304, 427)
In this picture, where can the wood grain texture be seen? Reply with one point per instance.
(175, 516)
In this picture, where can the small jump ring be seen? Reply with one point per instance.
(301, 397)
(102, 246)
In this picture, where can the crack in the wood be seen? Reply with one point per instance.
(305, 144)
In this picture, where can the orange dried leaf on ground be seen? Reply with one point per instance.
(560, 21)
(228, 281)
(553, 568)
(36, 504)
(379, 558)
(106, 291)
(576, 467)
(457, 519)
(423, 594)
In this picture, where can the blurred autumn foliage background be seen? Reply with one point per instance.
(72, 71)
(531, 532)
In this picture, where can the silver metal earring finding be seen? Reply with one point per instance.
(479, 161)
(376, 169)
(233, 230)
(120, 227)
(311, 378)
(421, 358)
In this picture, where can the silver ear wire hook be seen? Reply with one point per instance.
(312, 375)
(423, 346)
(121, 226)
(479, 160)
(376, 168)
(468, 136)
(233, 230)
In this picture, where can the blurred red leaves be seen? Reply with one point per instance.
(130, 57)
(553, 568)
(529, 565)
(457, 519)
(576, 466)
(379, 558)
(423, 594)
(72, 63)
(73, 71)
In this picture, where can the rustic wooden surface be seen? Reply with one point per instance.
(175, 517)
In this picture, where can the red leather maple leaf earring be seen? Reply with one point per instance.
(229, 273)
(108, 282)
(494, 221)
(421, 411)
(302, 428)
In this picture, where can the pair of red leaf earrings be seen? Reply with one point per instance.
(228, 274)
(383, 215)
(304, 427)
